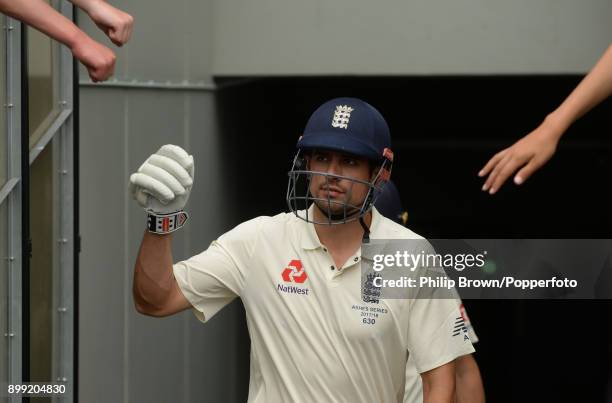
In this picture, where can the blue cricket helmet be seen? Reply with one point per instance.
(349, 125)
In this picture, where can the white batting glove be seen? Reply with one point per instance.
(162, 185)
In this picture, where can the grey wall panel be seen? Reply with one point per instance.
(193, 40)
(294, 37)
(206, 200)
(156, 366)
(197, 38)
(125, 356)
(155, 362)
(157, 49)
(102, 303)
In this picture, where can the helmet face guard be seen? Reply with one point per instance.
(334, 211)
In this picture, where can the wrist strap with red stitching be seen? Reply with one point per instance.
(166, 223)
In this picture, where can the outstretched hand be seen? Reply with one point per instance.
(527, 155)
(534, 150)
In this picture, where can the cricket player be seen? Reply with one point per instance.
(314, 338)
(468, 383)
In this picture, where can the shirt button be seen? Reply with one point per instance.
(332, 267)
(356, 259)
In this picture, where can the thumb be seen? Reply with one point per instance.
(138, 194)
(141, 197)
(191, 167)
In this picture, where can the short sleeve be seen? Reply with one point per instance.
(466, 319)
(468, 324)
(436, 332)
(213, 278)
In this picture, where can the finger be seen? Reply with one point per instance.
(177, 154)
(130, 28)
(126, 28)
(112, 66)
(526, 172)
(173, 168)
(104, 75)
(92, 75)
(495, 172)
(152, 186)
(122, 34)
(191, 168)
(104, 72)
(92, 72)
(492, 162)
(509, 168)
(163, 176)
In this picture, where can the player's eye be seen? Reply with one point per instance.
(320, 157)
(350, 161)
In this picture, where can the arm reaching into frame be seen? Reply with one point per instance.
(116, 24)
(534, 150)
(97, 58)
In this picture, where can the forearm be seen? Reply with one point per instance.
(469, 388)
(593, 89)
(438, 395)
(153, 276)
(43, 17)
(84, 5)
(439, 384)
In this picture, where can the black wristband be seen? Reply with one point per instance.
(166, 223)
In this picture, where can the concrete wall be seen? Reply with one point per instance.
(364, 37)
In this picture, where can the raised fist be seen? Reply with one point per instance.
(163, 182)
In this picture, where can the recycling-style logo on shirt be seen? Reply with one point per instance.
(294, 272)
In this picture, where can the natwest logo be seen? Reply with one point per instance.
(295, 272)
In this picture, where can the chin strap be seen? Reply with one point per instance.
(366, 231)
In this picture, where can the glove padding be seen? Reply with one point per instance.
(163, 182)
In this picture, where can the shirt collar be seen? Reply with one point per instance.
(309, 238)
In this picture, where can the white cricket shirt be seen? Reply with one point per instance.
(313, 339)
